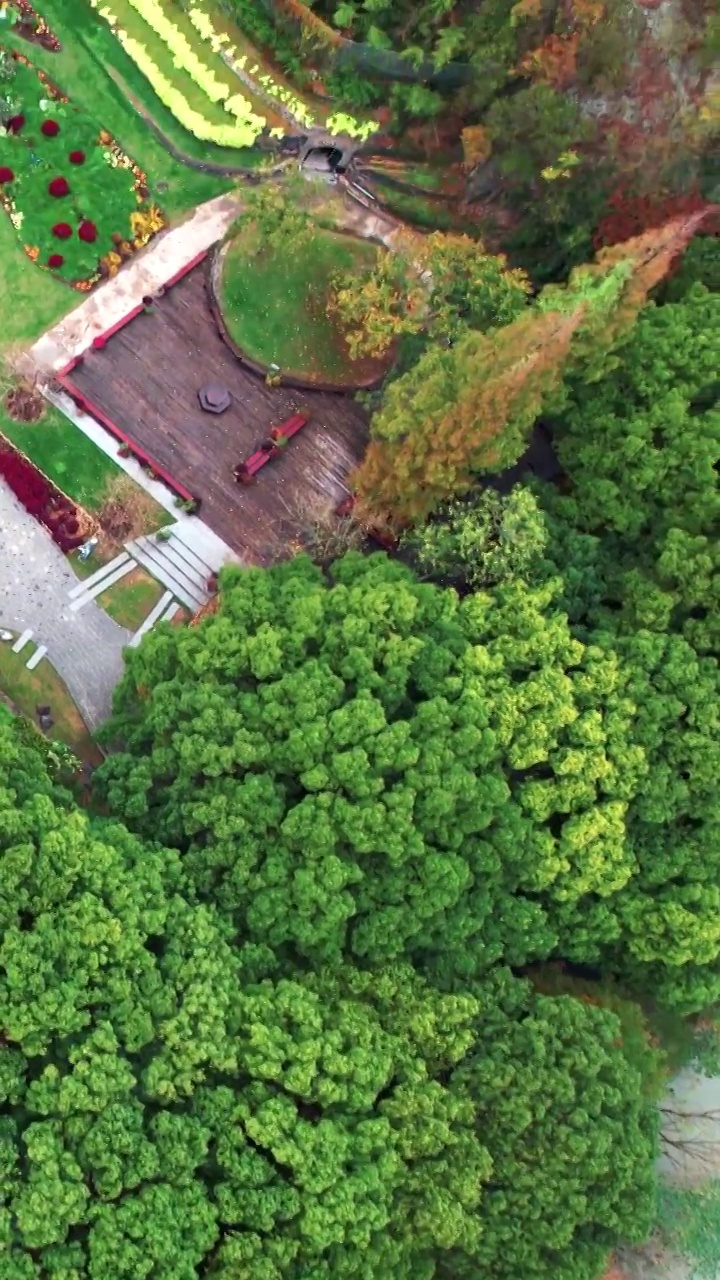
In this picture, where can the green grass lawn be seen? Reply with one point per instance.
(64, 454)
(274, 304)
(30, 689)
(131, 599)
(67, 457)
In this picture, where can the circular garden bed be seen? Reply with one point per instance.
(274, 306)
(75, 199)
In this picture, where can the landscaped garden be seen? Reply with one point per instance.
(275, 304)
(74, 197)
(63, 453)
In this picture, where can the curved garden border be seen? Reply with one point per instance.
(212, 281)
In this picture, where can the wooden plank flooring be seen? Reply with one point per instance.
(146, 380)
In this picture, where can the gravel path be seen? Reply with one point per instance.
(84, 647)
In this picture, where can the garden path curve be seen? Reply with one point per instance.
(84, 647)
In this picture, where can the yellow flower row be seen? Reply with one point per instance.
(247, 126)
(220, 44)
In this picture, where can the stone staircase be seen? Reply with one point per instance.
(180, 568)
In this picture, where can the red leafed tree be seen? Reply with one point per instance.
(468, 409)
(629, 215)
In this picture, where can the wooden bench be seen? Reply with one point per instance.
(246, 472)
(290, 427)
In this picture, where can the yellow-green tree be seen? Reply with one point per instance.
(441, 284)
(468, 408)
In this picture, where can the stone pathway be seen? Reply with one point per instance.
(84, 646)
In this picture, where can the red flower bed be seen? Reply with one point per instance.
(40, 498)
(50, 128)
(62, 230)
(6, 174)
(15, 124)
(55, 260)
(87, 231)
(77, 157)
(59, 187)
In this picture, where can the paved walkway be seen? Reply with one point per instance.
(163, 258)
(85, 647)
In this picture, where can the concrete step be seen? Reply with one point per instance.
(170, 612)
(108, 581)
(103, 572)
(186, 587)
(184, 559)
(159, 610)
(37, 657)
(21, 641)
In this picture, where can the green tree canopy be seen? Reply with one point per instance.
(178, 1102)
(367, 769)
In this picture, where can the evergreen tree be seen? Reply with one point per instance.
(468, 409)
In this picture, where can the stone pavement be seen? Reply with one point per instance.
(85, 647)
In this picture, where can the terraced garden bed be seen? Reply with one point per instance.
(75, 199)
(189, 79)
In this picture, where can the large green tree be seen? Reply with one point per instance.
(366, 768)
(179, 1102)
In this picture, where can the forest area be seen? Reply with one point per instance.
(366, 951)
(350, 967)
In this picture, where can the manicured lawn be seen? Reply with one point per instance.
(38, 299)
(64, 454)
(274, 304)
(29, 689)
(130, 600)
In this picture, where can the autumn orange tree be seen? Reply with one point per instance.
(468, 408)
(442, 284)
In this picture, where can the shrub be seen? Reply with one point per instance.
(15, 124)
(59, 187)
(50, 128)
(87, 231)
(77, 157)
(55, 260)
(40, 498)
(62, 230)
(6, 175)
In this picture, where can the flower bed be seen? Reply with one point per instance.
(71, 193)
(40, 498)
(31, 26)
(244, 125)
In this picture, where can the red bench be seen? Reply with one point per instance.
(290, 427)
(246, 472)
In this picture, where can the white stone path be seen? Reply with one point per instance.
(35, 580)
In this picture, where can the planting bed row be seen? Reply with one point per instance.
(40, 497)
(76, 200)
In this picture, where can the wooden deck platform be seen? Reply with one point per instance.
(146, 381)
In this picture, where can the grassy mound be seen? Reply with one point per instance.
(275, 305)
